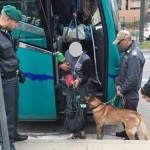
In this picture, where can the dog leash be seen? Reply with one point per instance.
(114, 98)
(123, 100)
(112, 101)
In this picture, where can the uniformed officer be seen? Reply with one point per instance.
(130, 73)
(9, 68)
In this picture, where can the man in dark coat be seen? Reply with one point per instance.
(128, 81)
(9, 68)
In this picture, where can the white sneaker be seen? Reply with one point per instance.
(71, 136)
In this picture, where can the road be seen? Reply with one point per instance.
(55, 130)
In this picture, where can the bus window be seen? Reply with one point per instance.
(31, 14)
(115, 15)
(31, 29)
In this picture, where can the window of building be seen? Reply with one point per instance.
(133, 8)
(127, 4)
(119, 3)
(135, 0)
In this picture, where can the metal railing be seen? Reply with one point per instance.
(3, 119)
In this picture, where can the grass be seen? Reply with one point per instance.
(144, 45)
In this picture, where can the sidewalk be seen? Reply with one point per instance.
(82, 145)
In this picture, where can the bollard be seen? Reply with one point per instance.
(3, 120)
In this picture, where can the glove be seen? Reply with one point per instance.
(21, 77)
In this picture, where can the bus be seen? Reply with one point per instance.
(42, 96)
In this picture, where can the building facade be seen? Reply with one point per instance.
(129, 10)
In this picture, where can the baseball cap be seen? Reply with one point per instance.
(12, 12)
(122, 34)
(75, 49)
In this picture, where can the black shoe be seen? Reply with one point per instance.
(121, 134)
(20, 138)
(126, 138)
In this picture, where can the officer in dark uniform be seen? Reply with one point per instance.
(130, 73)
(9, 68)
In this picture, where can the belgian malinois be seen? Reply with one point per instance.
(106, 114)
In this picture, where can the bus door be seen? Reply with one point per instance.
(37, 94)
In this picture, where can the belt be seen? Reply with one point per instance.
(9, 75)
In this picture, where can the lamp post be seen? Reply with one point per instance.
(142, 12)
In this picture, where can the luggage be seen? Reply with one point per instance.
(73, 31)
(74, 118)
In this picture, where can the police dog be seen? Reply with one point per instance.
(105, 114)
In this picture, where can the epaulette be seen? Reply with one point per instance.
(134, 53)
(128, 51)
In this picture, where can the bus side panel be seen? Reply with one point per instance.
(113, 57)
(37, 94)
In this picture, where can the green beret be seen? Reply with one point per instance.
(12, 12)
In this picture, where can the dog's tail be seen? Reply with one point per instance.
(143, 127)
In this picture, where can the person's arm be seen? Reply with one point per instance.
(86, 73)
(73, 8)
(145, 90)
(93, 6)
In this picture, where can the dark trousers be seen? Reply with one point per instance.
(131, 104)
(11, 94)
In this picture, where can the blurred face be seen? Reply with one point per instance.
(11, 24)
(123, 44)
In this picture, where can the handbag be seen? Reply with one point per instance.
(73, 31)
(74, 118)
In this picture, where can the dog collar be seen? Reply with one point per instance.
(96, 106)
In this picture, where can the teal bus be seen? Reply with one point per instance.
(42, 96)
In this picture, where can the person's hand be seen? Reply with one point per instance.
(76, 83)
(21, 77)
(145, 97)
(74, 15)
(64, 67)
(118, 88)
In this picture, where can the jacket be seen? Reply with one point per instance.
(79, 66)
(64, 9)
(130, 71)
(8, 59)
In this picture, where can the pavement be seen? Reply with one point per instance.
(82, 145)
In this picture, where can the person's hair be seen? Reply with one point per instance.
(3, 15)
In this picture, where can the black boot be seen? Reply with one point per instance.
(19, 138)
(126, 138)
(121, 134)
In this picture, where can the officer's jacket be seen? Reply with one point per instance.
(130, 71)
(8, 59)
